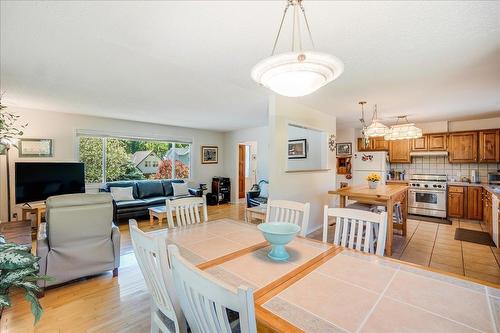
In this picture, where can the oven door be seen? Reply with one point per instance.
(427, 199)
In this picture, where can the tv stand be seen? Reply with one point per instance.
(27, 204)
(36, 209)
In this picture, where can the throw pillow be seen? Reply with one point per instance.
(122, 193)
(180, 189)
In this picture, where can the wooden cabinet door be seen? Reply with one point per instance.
(399, 151)
(379, 143)
(488, 212)
(419, 144)
(361, 145)
(456, 203)
(462, 147)
(475, 203)
(437, 141)
(489, 146)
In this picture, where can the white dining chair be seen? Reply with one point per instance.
(187, 211)
(205, 300)
(152, 257)
(357, 229)
(289, 211)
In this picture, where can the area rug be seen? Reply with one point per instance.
(428, 219)
(474, 236)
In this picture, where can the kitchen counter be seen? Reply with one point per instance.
(487, 187)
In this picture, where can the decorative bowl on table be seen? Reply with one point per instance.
(278, 234)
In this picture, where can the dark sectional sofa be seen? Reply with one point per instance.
(147, 193)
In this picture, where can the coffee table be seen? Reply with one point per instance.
(18, 232)
(258, 213)
(159, 212)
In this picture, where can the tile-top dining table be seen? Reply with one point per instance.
(327, 288)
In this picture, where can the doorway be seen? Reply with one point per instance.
(242, 168)
(247, 168)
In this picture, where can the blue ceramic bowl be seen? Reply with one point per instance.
(278, 234)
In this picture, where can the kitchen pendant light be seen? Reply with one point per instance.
(403, 131)
(376, 128)
(296, 73)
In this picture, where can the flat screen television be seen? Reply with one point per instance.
(36, 181)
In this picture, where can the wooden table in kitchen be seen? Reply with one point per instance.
(383, 195)
(326, 288)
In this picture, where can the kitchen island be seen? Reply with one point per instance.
(383, 195)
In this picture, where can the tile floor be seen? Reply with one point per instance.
(434, 245)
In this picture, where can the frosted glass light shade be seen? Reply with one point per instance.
(295, 74)
(403, 131)
(376, 128)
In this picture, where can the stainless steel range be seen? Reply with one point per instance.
(427, 195)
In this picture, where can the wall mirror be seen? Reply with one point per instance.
(307, 149)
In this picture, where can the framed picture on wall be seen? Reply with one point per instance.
(344, 149)
(209, 154)
(35, 148)
(297, 149)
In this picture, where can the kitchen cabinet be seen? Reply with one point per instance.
(375, 144)
(489, 146)
(399, 151)
(462, 147)
(456, 201)
(419, 144)
(437, 142)
(488, 212)
(474, 203)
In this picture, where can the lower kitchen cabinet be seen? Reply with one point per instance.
(456, 201)
(474, 203)
(488, 212)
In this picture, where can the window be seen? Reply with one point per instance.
(112, 158)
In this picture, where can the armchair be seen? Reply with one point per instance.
(79, 238)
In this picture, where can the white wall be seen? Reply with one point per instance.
(259, 135)
(315, 145)
(298, 186)
(61, 127)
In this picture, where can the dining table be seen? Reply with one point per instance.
(322, 287)
(386, 195)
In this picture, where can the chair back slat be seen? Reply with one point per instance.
(187, 211)
(289, 212)
(357, 229)
(205, 300)
(152, 258)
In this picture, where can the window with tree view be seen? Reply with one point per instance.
(109, 159)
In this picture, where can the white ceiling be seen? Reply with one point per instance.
(188, 63)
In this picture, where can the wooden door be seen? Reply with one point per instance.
(488, 212)
(463, 147)
(379, 143)
(362, 147)
(475, 203)
(419, 144)
(241, 172)
(489, 146)
(437, 141)
(456, 201)
(399, 151)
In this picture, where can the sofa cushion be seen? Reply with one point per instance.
(149, 188)
(167, 186)
(155, 201)
(126, 183)
(130, 203)
(180, 189)
(122, 193)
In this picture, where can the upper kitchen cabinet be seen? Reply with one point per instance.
(399, 151)
(419, 144)
(489, 146)
(379, 143)
(462, 147)
(437, 142)
(362, 147)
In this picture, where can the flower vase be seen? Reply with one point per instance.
(373, 185)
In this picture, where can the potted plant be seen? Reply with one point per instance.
(19, 270)
(373, 180)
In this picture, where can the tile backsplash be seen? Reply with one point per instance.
(440, 165)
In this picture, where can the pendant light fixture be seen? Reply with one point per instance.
(366, 138)
(299, 72)
(376, 128)
(403, 131)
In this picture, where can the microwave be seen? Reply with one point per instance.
(494, 177)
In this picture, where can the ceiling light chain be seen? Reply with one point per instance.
(281, 26)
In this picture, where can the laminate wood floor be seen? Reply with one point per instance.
(106, 304)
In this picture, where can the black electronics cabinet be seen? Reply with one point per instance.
(221, 187)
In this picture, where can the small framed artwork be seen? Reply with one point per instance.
(35, 148)
(209, 154)
(344, 149)
(297, 149)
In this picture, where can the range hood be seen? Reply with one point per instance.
(429, 153)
